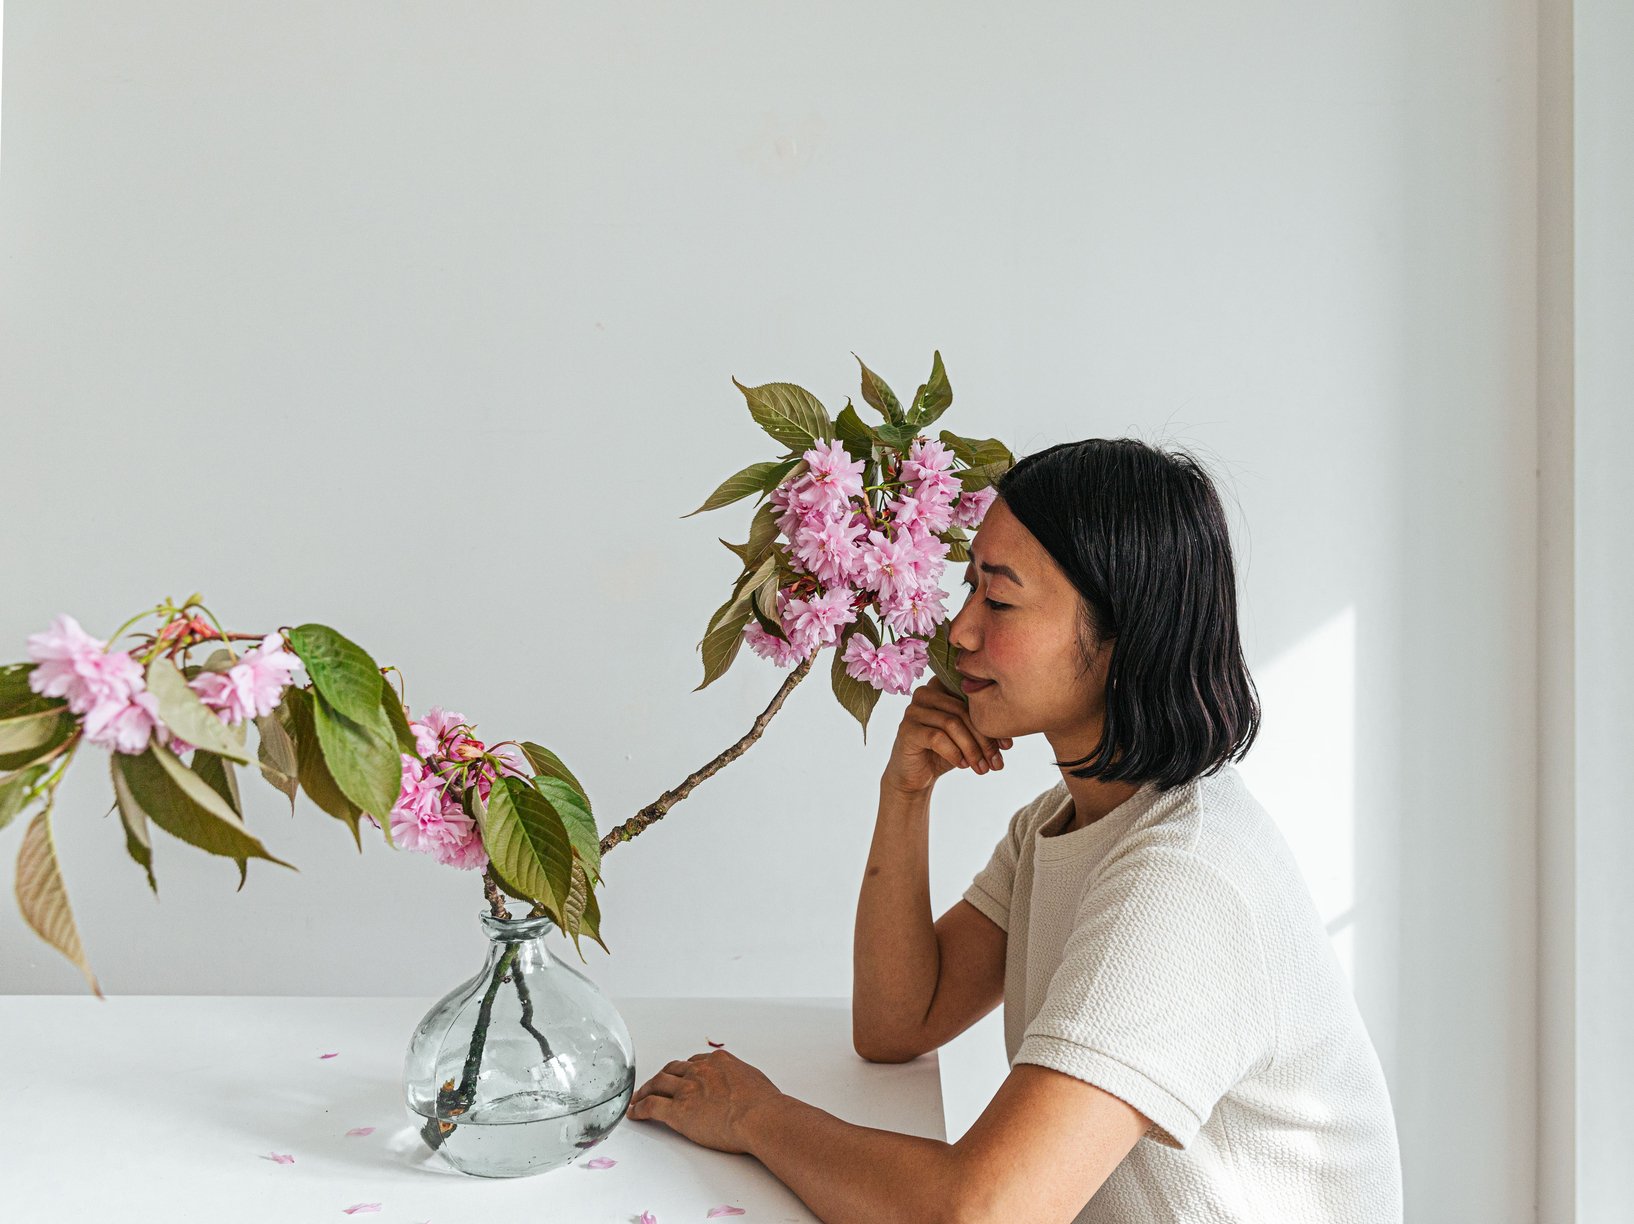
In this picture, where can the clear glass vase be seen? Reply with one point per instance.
(522, 1068)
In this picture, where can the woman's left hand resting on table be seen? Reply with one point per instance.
(707, 1098)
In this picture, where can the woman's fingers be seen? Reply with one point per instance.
(987, 749)
(969, 751)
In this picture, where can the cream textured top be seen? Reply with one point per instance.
(1170, 954)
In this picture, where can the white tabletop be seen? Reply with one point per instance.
(167, 1109)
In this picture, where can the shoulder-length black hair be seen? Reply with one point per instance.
(1140, 532)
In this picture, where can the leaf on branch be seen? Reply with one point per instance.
(187, 717)
(342, 672)
(43, 898)
(721, 644)
(879, 396)
(858, 697)
(573, 809)
(397, 717)
(933, 398)
(276, 755)
(138, 839)
(362, 757)
(526, 841)
(976, 452)
(547, 764)
(17, 699)
(944, 661)
(980, 477)
(756, 478)
(858, 436)
(183, 805)
(790, 414)
(30, 736)
(295, 714)
(14, 789)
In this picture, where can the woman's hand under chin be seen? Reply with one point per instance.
(936, 735)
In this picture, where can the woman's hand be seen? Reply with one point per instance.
(936, 735)
(707, 1098)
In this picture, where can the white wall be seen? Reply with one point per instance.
(419, 320)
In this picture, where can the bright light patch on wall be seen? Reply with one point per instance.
(1302, 767)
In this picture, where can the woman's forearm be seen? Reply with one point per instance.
(852, 1174)
(895, 962)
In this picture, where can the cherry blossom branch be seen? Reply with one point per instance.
(655, 810)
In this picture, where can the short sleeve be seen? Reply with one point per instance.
(993, 885)
(1162, 996)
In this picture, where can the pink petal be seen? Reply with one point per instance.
(328, 1055)
(717, 1044)
(361, 1208)
(361, 1130)
(280, 1157)
(600, 1162)
(723, 1211)
(647, 1217)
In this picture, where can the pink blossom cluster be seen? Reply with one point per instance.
(108, 692)
(105, 689)
(428, 815)
(252, 687)
(852, 556)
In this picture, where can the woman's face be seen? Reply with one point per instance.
(1018, 638)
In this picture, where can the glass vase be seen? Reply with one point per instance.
(524, 1067)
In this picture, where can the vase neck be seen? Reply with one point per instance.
(515, 930)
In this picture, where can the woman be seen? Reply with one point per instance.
(1184, 1045)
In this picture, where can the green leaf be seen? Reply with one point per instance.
(39, 735)
(547, 764)
(43, 898)
(138, 840)
(976, 452)
(276, 755)
(958, 544)
(980, 477)
(183, 805)
(944, 661)
(790, 414)
(746, 585)
(756, 478)
(762, 532)
(362, 758)
(342, 672)
(217, 774)
(397, 717)
(574, 812)
(526, 841)
(858, 436)
(187, 717)
(897, 437)
(29, 732)
(14, 790)
(295, 714)
(17, 699)
(720, 645)
(933, 398)
(856, 696)
(881, 397)
(763, 603)
(578, 896)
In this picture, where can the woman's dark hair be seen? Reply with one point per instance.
(1140, 532)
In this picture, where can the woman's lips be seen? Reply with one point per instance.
(974, 684)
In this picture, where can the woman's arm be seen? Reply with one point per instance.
(895, 960)
(1039, 1152)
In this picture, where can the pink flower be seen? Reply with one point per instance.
(891, 564)
(827, 549)
(912, 509)
(915, 611)
(74, 665)
(438, 731)
(253, 686)
(814, 623)
(892, 668)
(770, 646)
(973, 507)
(105, 688)
(427, 819)
(833, 475)
(927, 469)
(125, 725)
